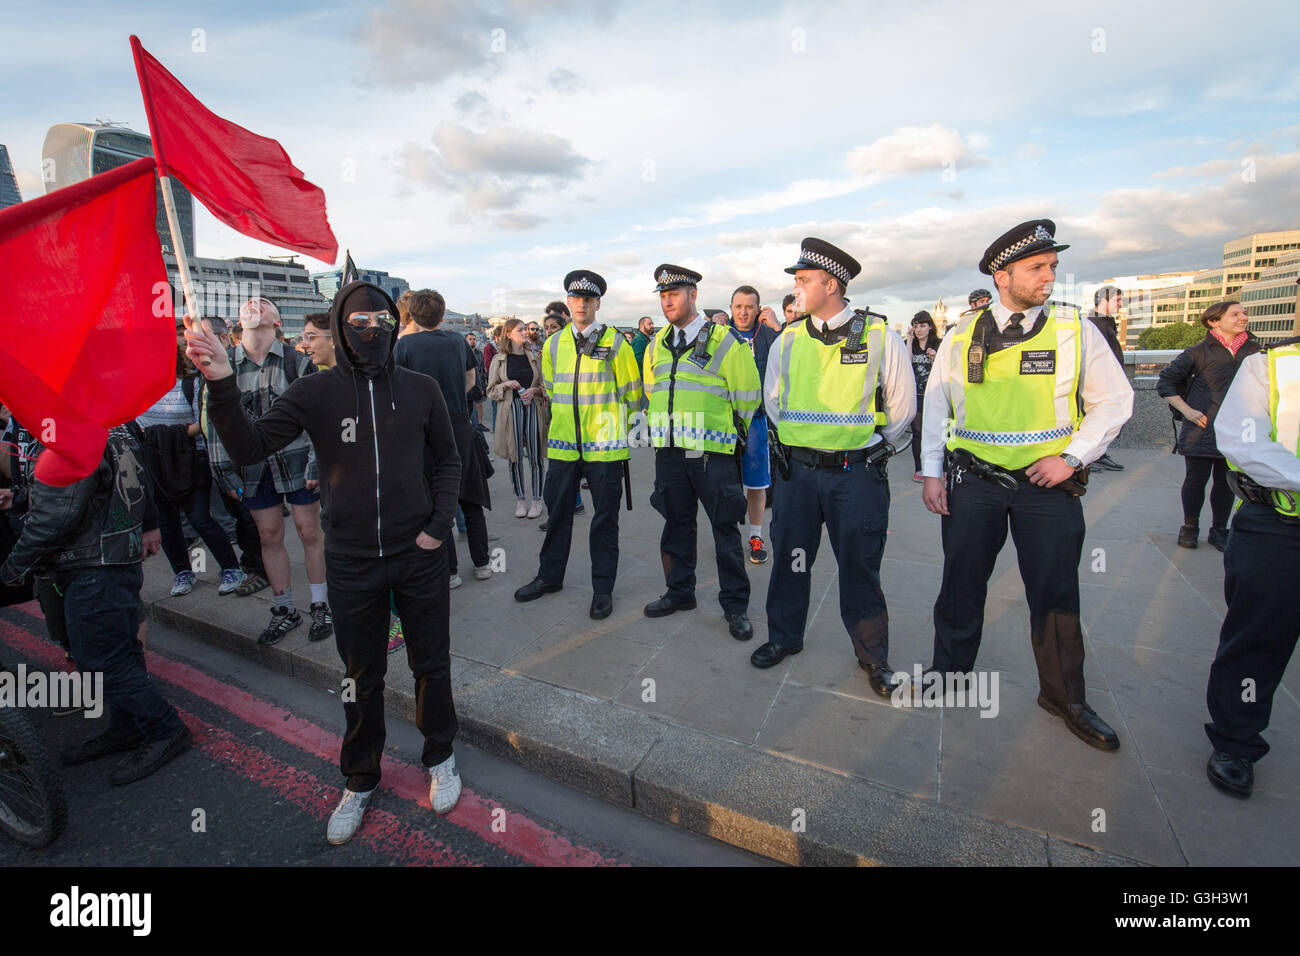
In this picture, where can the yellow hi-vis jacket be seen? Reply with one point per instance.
(1284, 412)
(692, 405)
(591, 396)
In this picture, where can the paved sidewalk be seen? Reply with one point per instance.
(803, 762)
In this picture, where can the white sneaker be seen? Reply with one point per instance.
(455, 582)
(444, 786)
(521, 509)
(482, 574)
(346, 818)
(536, 510)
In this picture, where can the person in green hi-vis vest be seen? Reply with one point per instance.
(593, 382)
(1020, 400)
(839, 390)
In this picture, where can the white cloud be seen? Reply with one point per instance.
(913, 149)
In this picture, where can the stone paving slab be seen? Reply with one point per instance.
(724, 749)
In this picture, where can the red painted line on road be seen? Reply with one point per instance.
(520, 836)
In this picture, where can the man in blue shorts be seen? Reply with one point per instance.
(755, 467)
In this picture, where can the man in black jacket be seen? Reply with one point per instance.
(1106, 305)
(90, 538)
(389, 474)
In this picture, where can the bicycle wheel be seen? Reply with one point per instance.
(32, 807)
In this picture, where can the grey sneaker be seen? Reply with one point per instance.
(231, 578)
(455, 582)
(346, 818)
(183, 584)
(444, 786)
(482, 574)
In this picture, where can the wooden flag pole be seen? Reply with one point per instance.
(178, 249)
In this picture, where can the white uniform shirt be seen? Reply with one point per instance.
(1106, 392)
(1268, 462)
(895, 375)
(691, 330)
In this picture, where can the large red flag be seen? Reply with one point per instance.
(245, 180)
(88, 338)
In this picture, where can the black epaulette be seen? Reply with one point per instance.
(1294, 340)
(736, 335)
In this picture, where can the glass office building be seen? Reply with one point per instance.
(74, 152)
(9, 194)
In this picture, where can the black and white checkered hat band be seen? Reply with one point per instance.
(665, 277)
(584, 285)
(825, 262)
(1038, 235)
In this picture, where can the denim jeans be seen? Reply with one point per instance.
(102, 610)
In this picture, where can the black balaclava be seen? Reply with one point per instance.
(368, 348)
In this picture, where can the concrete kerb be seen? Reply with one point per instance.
(741, 795)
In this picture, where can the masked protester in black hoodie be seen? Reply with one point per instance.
(389, 478)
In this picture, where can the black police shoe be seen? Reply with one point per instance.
(667, 604)
(535, 589)
(1083, 723)
(739, 626)
(1187, 536)
(105, 745)
(881, 678)
(1218, 538)
(149, 757)
(1231, 774)
(769, 655)
(602, 605)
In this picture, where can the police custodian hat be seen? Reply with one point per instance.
(584, 284)
(820, 254)
(669, 276)
(1027, 239)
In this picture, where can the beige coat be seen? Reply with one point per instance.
(503, 442)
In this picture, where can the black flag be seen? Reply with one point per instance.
(350, 273)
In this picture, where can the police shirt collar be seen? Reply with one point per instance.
(834, 322)
(595, 327)
(691, 330)
(1002, 315)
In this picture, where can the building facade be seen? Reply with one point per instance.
(222, 285)
(328, 283)
(9, 194)
(74, 152)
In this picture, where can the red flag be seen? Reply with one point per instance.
(89, 339)
(245, 180)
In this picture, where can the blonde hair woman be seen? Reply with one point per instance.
(523, 417)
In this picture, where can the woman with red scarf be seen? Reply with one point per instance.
(1194, 385)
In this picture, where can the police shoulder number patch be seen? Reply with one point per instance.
(852, 358)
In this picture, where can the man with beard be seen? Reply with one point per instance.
(390, 474)
(1002, 418)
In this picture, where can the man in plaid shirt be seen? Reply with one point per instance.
(260, 363)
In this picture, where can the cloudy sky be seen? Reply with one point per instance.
(485, 149)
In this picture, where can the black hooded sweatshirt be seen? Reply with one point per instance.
(387, 456)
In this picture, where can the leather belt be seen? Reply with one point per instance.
(830, 460)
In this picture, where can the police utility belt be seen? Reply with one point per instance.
(1248, 489)
(839, 460)
(960, 461)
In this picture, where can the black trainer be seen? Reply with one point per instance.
(149, 757)
(322, 622)
(757, 553)
(105, 745)
(282, 622)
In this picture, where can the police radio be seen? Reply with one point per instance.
(977, 353)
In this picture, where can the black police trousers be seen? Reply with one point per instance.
(854, 506)
(1259, 631)
(605, 479)
(359, 599)
(682, 483)
(1047, 527)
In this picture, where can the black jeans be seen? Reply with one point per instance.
(359, 599)
(1048, 529)
(102, 610)
(1259, 631)
(475, 531)
(196, 510)
(1199, 471)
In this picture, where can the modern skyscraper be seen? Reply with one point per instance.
(328, 283)
(76, 151)
(9, 194)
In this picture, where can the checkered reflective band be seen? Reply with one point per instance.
(1039, 234)
(666, 276)
(584, 285)
(826, 418)
(825, 262)
(1014, 438)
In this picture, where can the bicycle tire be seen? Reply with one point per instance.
(33, 808)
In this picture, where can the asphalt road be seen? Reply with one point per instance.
(262, 779)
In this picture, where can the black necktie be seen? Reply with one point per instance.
(1014, 329)
(681, 338)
